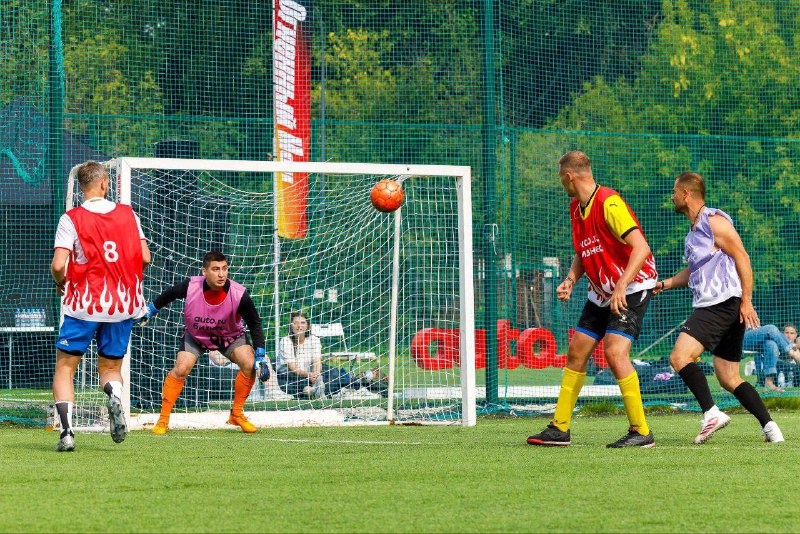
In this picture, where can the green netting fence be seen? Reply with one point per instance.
(646, 88)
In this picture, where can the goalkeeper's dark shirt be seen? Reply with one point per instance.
(247, 310)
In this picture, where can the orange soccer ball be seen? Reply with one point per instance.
(387, 195)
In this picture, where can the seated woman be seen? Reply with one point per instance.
(299, 366)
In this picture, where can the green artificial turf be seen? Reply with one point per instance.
(405, 479)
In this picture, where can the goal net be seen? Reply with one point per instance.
(389, 295)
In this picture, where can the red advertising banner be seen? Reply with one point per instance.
(291, 62)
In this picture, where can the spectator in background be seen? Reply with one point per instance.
(300, 369)
(790, 331)
(789, 366)
(769, 343)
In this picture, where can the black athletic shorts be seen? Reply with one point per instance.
(597, 321)
(718, 329)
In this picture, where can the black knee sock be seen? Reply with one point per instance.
(749, 398)
(63, 409)
(694, 378)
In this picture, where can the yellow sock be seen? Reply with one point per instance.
(241, 389)
(571, 385)
(632, 399)
(169, 394)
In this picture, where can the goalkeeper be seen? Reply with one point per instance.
(212, 315)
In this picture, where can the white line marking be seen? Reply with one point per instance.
(334, 441)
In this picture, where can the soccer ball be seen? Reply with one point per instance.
(387, 195)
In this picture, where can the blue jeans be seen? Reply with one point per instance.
(768, 342)
(334, 378)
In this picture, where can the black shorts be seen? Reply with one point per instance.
(597, 321)
(718, 329)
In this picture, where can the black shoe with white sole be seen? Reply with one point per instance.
(634, 439)
(551, 436)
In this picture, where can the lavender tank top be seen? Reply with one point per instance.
(714, 278)
(212, 326)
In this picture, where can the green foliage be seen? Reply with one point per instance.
(716, 92)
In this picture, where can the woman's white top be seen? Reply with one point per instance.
(301, 355)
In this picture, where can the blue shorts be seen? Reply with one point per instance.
(112, 338)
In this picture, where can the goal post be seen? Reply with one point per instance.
(388, 282)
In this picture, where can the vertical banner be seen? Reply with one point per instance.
(291, 62)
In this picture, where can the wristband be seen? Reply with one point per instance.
(571, 279)
(60, 284)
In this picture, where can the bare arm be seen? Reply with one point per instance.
(147, 258)
(317, 367)
(58, 268)
(681, 279)
(641, 251)
(727, 239)
(639, 254)
(576, 270)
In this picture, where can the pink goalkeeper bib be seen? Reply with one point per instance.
(214, 326)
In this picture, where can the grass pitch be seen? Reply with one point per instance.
(405, 479)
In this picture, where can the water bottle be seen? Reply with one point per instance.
(17, 318)
(26, 318)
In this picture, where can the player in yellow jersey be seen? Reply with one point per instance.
(612, 252)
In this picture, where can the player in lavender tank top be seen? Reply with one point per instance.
(721, 279)
(214, 314)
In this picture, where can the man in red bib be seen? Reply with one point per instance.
(612, 252)
(102, 293)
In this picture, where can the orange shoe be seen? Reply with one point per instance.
(241, 421)
(161, 428)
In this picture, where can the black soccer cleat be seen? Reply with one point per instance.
(116, 419)
(634, 439)
(551, 436)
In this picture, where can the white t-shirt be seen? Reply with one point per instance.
(67, 236)
(301, 355)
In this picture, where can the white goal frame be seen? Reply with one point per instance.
(124, 171)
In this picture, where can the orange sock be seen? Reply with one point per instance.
(169, 394)
(241, 390)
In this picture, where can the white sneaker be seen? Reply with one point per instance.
(711, 423)
(67, 443)
(772, 434)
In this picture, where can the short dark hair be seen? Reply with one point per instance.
(214, 255)
(691, 181)
(90, 172)
(575, 161)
